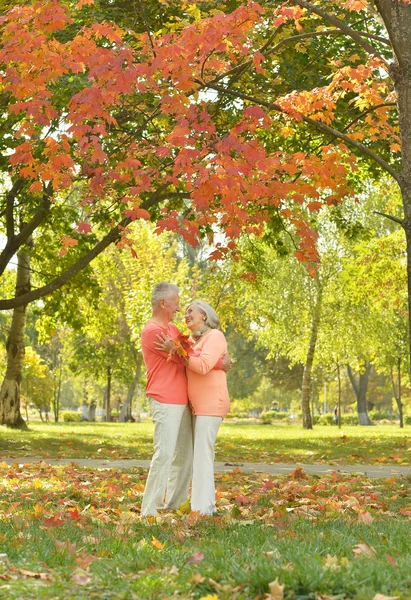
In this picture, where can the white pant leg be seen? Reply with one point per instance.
(167, 419)
(203, 491)
(182, 465)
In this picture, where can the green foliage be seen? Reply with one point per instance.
(70, 416)
(266, 417)
(349, 420)
(273, 415)
(379, 415)
(327, 419)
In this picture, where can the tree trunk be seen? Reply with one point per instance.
(125, 409)
(306, 386)
(339, 395)
(360, 390)
(397, 18)
(92, 411)
(108, 396)
(397, 392)
(57, 391)
(10, 389)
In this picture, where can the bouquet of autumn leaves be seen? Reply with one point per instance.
(183, 347)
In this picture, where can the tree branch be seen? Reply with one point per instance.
(143, 16)
(317, 124)
(112, 236)
(390, 217)
(352, 33)
(16, 241)
(366, 112)
(10, 198)
(239, 69)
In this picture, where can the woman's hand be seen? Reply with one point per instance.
(227, 363)
(165, 344)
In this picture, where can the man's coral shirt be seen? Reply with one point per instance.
(166, 379)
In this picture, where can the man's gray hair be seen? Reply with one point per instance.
(211, 318)
(162, 291)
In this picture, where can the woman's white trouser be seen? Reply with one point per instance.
(171, 465)
(205, 431)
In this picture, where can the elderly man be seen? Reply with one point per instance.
(171, 465)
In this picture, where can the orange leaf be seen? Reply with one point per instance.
(156, 543)
(195, 559)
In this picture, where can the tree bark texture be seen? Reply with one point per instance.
(397, 19)
(127, 404)
(57, 391)
(108, 396)
(397, 392)
(360, 390)
(306, 386)
(10, 389)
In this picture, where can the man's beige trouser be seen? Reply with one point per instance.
(171, 465)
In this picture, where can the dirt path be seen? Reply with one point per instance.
(275, 469)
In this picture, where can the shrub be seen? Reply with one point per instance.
(280, 416)
(327, 419)
(349, 420)
(70, 416)
(407, 419)
(378, 415)
(267, 417)
(238, 414)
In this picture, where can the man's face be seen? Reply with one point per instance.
(171, 305)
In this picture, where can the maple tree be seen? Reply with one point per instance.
(214, 118)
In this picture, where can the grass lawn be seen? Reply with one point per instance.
(76, 534)
(236, 443)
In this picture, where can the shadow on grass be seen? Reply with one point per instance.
(79, 440)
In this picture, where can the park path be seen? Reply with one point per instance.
(269, 469)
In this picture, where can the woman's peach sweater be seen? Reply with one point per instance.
(207, 387)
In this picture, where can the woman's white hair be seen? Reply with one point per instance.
(211, 318)
(162, 291)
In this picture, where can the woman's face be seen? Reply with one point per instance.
(194, 317)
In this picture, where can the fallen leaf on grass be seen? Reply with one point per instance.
(184, 508)
(391, 560)
(382, 597)
(365, 517)
(209, 597)
(331, 562)
(195, 559)
(197, 578)
(42, 576)
(84, 560)
(364, 549)
(66, 546)
(156, 543)
(276, 590)
(81, 578)
(90, 539)
(4, 559)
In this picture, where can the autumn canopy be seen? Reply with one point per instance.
(189, 126)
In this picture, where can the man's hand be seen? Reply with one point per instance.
(227, 363)
(164, 344)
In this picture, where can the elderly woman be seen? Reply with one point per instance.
(208, 397)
